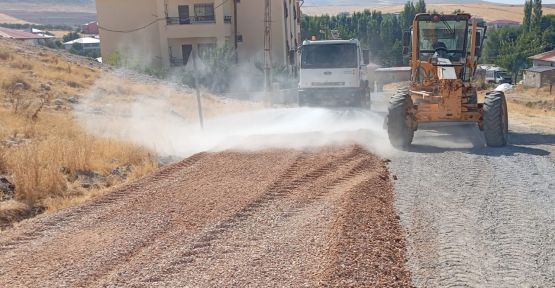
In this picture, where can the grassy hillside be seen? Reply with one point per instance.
(48, 153)
(49, 158)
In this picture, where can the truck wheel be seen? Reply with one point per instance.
(399, 130)
(496, 120)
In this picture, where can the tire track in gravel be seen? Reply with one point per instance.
(127, 224)
(269, 248)
(205, 237)
(521, 236)
(476, 216)
(301, 174)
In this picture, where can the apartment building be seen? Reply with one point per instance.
(166, 32)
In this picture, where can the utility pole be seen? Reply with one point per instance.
(235, 26)
(197, 88)
(267, 49)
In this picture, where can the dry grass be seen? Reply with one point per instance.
(42, 148)
(54, 147)
(5, 55)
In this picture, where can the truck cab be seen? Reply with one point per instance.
(333, 73)
(498, 76)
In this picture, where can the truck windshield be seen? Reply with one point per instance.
(502, 74)
(322, 56)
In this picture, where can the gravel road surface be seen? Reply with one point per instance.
(476, 216)
(284, 218)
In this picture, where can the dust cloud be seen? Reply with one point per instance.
(166, 122)
(287, 128)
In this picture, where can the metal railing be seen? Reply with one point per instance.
(196, 20)
(174, 62)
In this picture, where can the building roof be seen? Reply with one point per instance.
(540, 69)
(84, 40)
(18, 34)
(35, 31)
(547, 56)
(504, 22)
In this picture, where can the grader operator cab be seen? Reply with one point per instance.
(444, 57)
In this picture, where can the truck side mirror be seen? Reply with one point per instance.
(366, 56)
(407, 38)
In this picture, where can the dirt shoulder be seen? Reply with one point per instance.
(310, 218)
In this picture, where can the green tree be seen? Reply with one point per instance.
(548, 34)
(421, 6)
(407, 15)
(535, 23)
(71, 36)
(513, 55)
(495, 40)
(527, 21)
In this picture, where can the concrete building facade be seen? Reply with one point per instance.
(542, 73)
(539, 76)
(166, 32)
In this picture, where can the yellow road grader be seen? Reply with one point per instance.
(443, 60)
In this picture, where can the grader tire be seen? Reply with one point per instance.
(400, 133)
(496, 123)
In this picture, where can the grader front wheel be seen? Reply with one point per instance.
(496, 122)
(398, 128)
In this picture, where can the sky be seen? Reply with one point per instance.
(519, 1)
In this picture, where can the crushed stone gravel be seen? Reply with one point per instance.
(290, 218)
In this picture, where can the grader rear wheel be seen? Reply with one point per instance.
(398, 128)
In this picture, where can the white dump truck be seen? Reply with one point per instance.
(333, 73)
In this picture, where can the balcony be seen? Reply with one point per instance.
(176, 62)
(196, 20)
(199, 27)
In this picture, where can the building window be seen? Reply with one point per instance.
(239, 38)
(204, 12)
(205, 50)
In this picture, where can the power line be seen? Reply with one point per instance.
(132, 30)
(149, 24)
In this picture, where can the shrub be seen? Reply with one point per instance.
(71, 36)
(21, 64)
(4, 55)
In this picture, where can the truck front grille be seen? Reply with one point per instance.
(328, 83)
